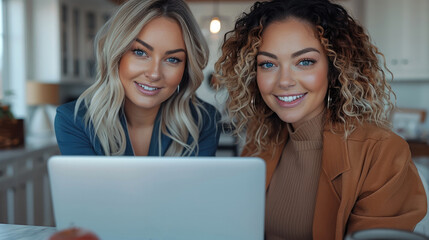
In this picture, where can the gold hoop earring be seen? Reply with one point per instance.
(252, 103)
(329, 99)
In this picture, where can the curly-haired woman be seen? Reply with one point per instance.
(305, 84)
(150, 57)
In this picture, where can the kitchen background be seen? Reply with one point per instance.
(47, 58)
(51, 41)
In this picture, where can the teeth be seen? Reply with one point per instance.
(147, 88)
(290, 98)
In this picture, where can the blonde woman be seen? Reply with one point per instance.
(305, 83)
(150, 57)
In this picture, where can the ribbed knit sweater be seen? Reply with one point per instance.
(291, 196)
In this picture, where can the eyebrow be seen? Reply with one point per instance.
(305, 50)
(144, 44)
(166, 53)
(267, 54)
(295, 54)
(175, 51)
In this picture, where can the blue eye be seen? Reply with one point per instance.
(139, 52)
(173, 60)
(306, 62)
(266, 65)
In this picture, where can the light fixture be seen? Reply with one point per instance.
(42, 96)
(215, 24)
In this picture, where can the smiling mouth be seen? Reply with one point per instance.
(147, 87)
(289, 99)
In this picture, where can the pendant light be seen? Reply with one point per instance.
(215, 24)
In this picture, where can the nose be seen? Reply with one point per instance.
(153, 72)
(286, 79)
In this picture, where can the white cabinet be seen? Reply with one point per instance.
(400, 29)
(61, 39)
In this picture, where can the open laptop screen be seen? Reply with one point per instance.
(160, 197)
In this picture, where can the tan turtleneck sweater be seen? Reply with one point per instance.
(291, 196)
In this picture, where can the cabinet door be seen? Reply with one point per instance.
(83, 23)
(416, 45)
(380, 23)
(71, 54)
(399, 29)
(62, 36)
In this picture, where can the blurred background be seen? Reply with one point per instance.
(47, 58)
(51, 42)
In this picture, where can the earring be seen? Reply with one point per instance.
(252, 103)
(329, 98)
(178, 88)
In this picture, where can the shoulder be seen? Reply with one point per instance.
(367, 142)
(69, 109)
(362, 133)
(66, 112)
(381, 145)
(369, 146)
(371, 132)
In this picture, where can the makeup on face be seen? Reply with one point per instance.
(152, 69)
(292, 70)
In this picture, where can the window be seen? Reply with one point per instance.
(1, 49)
(14, 67)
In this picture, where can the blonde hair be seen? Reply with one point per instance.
(357, 84)
(105, 98)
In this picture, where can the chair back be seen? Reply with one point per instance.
(384, 234)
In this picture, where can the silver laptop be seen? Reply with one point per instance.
(160, 198)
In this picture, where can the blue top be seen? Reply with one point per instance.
(75, 139)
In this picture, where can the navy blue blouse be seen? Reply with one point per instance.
(75, 139)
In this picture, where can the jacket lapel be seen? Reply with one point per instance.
(335, 158)
(335, 161)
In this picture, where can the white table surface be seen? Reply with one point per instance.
(25, 232)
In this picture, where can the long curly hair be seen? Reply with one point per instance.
(105, 98)
(357, 84)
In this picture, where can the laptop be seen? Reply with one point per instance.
(160, 198)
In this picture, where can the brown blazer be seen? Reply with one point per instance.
(366, 181)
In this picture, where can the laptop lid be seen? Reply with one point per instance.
(160, 197)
